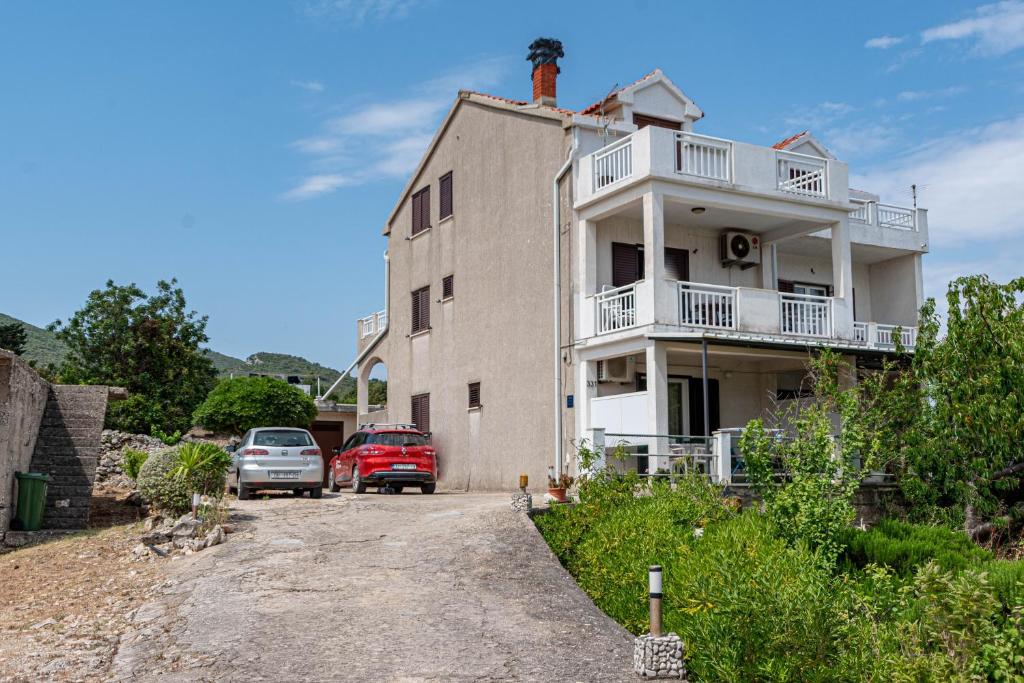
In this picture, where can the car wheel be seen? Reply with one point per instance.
(427, 488)
(298, 492)
(396, 489)
(243, 492)
(332, 485)
(316, 492)
(358, 485)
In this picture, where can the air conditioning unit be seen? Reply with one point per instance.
(622, 369)
(740, 249)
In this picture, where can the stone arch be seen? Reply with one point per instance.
(366, 368)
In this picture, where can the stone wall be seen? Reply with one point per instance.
(68, 449)
(22, 401)
(872, 501)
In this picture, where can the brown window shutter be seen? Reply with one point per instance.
(626, 264)
(786, 286)
(417, 212)
(421, 309)
(445, 190)
(421, 210)
(474, 394)
(642, 121)
(448, 286)
(677, 264)
(421, 412)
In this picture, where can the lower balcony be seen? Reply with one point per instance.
(742, 311)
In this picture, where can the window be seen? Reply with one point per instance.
(445, 190)
(281, 437)
(397, 439)
(677, 264)
(627, 263)
(474, 394)
(642, 121)
(421, 310)
(421, 210)
(790, 287)
(421, 412)
(447, 286)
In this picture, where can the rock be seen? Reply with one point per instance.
(152, 523)
(186, 527)
(215, 536)
(43, 624)
(156, 536)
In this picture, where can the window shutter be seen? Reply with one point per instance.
(642, 121)
(420, 309)
(417, 206)
(474, 394)
(446, 195)
(421, 210)
(421, 412)
(786, 286)
(448, 286)
(625, 264)
(677, 264)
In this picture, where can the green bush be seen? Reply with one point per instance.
(131, 461)
(238, 404)
(905, 547)
(169, 478)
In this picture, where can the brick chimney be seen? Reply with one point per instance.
(544, 53)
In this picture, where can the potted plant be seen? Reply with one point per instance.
(557, 486)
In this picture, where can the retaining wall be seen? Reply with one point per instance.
(22, 402)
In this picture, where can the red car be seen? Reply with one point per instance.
(386, 456)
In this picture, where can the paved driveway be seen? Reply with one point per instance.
(375, 588)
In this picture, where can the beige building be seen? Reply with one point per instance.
(694, 276)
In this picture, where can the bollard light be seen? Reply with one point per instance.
(524, 481)
(654, 593)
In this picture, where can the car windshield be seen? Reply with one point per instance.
(281, 437)
(397, 439)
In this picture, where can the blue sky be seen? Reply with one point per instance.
(253, 150)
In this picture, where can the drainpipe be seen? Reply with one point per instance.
(380, 333)
(557, 236)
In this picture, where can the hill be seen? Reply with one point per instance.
(44, 348)
(41, 346)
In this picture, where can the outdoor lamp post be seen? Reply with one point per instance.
(654, 592)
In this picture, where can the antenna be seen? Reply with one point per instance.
(601, 114)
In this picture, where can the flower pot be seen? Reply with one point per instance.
(558, 494)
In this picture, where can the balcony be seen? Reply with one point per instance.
(702, 160)
(742, 311)
(884, 215)
(372, 324)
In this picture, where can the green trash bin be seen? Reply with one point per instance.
(31, 501)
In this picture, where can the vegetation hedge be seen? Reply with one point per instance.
(168, 478)
(241, 403)
(132, 461)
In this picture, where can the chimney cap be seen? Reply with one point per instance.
(545, 51)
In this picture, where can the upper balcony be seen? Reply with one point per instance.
(367, 328)
(679, 156)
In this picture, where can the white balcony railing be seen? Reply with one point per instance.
(802, 174)
(806, 315)
(884, 215)
(884, 335)
(704, 157)
(613, 163)
(703, 305)
(860, 333)
(616, 309)
(372, 324)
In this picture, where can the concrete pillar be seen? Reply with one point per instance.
(654, 263)
(596, 439)
(586, 389)
(657, 405)
(586, 280)
(842, 278)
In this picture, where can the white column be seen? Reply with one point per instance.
(586, 390)
(586, 279)
(657, 404)
(842, 278)
(596, 439)
(654, 264)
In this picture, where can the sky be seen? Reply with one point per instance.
(254, 150)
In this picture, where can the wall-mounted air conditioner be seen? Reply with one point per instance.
(741, 249)
(621, 369)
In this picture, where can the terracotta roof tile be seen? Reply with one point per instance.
(519, 103)
(783, 144)
(596, 106)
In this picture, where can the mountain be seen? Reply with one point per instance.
(41, 346)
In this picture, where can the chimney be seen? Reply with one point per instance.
(544, 53)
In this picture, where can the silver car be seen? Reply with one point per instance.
(281, 458)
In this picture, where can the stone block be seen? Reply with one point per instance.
(659, 657)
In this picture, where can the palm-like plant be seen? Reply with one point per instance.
(199, 463)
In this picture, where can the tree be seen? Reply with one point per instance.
(13, 338)
(241, 403)
(148, 344)
(376, 390)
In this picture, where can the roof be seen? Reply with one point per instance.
(596, 106)
(520, 103)
(783, 144)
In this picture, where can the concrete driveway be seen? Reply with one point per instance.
(375, 588)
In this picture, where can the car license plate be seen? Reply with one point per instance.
(403, 466)
(284, 474)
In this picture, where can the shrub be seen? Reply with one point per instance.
(132, 460)
(904, 547)
(238, 404)
(169, 478)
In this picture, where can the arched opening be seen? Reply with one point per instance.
(372, 390)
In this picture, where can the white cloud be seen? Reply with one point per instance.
(385, 139)
(970, 181)
(315, 186)
(995, 29)
(917, 95)
(358, 12)
(859, 138)
(309, 86)
(819, 115)
(884, 42)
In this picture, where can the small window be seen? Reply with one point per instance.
(421, 309)
(421, 210)
(445, 190)
(447, 286)
(421, 412)
(474, 394)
